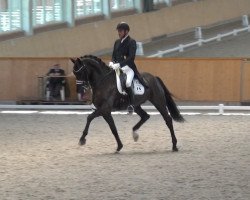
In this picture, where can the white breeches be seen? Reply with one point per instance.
(130, 75)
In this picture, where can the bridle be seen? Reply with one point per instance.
(85, 83)
(76, 71)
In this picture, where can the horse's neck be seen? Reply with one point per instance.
(97, 70)
(98, 78)
(103, 82)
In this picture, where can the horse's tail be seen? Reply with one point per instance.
(174, 111)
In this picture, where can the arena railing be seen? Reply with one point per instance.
(219, 109)
(201, 41)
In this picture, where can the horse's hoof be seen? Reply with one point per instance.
(175, 149)
(82, 142)
(119, 147)
(135, 136)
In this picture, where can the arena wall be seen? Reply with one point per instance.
(100, 35)
(198, 79)
(245, 83)
(224, 80)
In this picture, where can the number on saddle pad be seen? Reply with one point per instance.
(138, 87)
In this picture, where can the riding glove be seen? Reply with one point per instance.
(115, 66)
(111, 64)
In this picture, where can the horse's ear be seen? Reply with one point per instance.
(78, 60)
(73, 60)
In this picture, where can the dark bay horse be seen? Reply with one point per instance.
(106, 97)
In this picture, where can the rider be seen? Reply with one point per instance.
(123, 57)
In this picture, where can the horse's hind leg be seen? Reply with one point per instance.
(93, 115)
(164, 112)
(109, 119)
(144, 117)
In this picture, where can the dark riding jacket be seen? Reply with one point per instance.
(124, 54)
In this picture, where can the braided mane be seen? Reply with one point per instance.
(95, 58)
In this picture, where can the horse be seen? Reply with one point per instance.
(93, 72)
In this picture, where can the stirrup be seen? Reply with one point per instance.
(130, 109)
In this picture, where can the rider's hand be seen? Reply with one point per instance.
(116, 66)
(111, 64)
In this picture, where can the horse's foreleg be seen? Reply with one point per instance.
(144, 117)
(93, 115)
(109, 119)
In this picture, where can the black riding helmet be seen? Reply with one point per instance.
(123, 26)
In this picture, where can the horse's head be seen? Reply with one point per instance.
(80, 72)
(90, 69)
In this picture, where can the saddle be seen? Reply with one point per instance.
(137, 87)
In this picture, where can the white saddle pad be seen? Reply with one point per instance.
(138, 88)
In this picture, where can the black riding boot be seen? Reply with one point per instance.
(131, 100)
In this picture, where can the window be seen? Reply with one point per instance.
(87, 7)
(159, 1)
(26, 15)
(121, 4)
(10, 15)
(46, 11)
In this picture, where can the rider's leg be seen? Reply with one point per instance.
(130, 75)
(131, 100)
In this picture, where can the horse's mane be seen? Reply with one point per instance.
(96, 59)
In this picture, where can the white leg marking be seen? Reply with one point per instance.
(135, 136)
